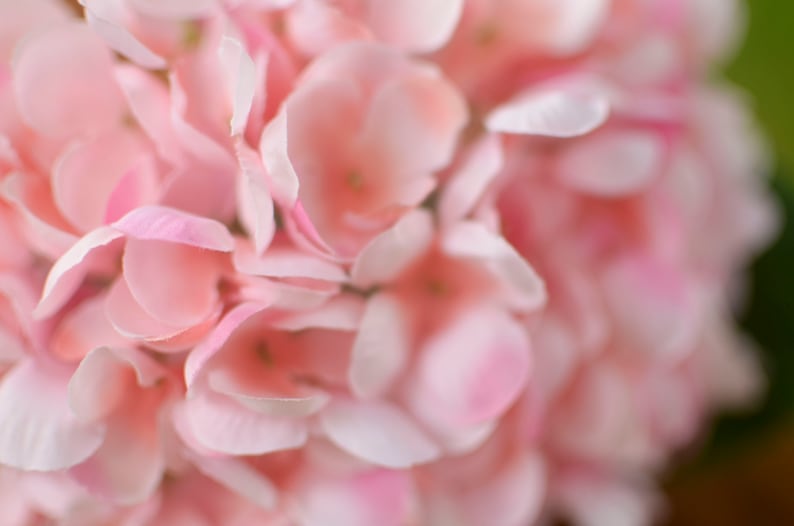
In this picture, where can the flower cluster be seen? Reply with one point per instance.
(366, 262)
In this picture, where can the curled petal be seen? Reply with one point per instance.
(386, 256)
(68, 272)
(223, 425)
(522, 286)
(551, 113)
(159, 223)
(377, 433)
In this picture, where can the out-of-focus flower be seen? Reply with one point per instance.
(356, 262)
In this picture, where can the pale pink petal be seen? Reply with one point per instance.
(415, 25)
(86, 174)
(69, 271)
(314, 26)
(52, 240)
(150, 104)
(18, 19)
(375, 497)
(176, 9)
(523, 288)
(386, 256)
(107, 19)
(225, 426)
(378, 433)
(83, 329)
(274, 149)
(473, 370)
(577, 23)
(468, 183)
(614, 163)
(652, 305)
(175, 284)
(241, 79)
(241, 478)
(284, 261)
(254, 203)
(282, 406)
(413, 122)
(381, 348)
(203, 352)
(128, 468)
(549, 112)
(39, 430)
(105, 376)
(74, 62)
(167, 224)
(341, 313)
(514, 497)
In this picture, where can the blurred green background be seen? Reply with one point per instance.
(743, 475)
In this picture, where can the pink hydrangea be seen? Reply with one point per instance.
(366, 262)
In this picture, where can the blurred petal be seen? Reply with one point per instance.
(378, 433)
(39, 431)
(381, 348)
(415, 25)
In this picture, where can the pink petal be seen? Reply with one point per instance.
(522, 286)
(69, 271)
(39, 431)
(652, 306)
(175, 284)
(241, 78)
(127, 469)
(83, 329)
(376, 497)
(314, 26)
(46, 238)
(254, 202)
(577, 24)
(413, 122)
(222, 425)
(513, 498)
(614, 163)
(386, 256)
(18, 19)
(74, 62)
(378, 433)
(167, 224)
(552, 113)
(107, 19)
(176, 9)
(381, 348)
(86, 174)
(105, 376)
(340, 313)
(274, 406)
(241, 478)
(274, 150)
(150, 104)
(420, 26)
(284, 261)
(203, 352)
(469, 182)
(473, 370)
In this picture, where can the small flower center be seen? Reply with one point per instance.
(263, 352)
(486, 34)
(355, 180)
(191, 35)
